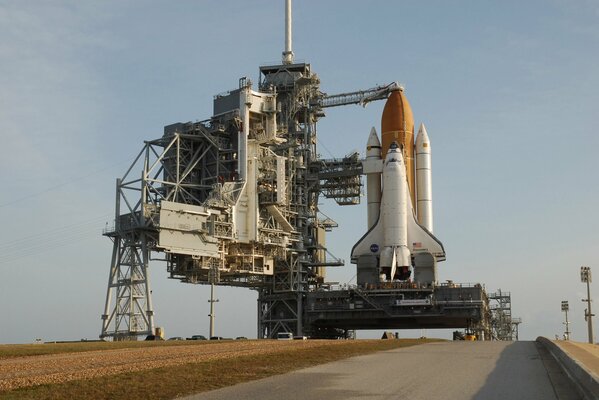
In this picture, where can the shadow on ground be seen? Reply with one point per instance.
(518, 367)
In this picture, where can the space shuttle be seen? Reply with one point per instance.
(400, 239)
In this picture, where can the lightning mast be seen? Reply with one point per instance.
(288, 53)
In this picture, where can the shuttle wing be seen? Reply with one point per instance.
(419, 240)
(371, 243)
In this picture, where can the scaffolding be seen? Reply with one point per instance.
(340, 178)
(504, 326)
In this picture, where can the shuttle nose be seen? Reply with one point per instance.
(394, 154)
(373, 140)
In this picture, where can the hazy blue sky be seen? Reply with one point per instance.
(509, 92)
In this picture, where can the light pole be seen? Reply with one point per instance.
(566, 308)
(211, 315)
(585, 277)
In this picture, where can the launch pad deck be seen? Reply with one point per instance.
(399, 306)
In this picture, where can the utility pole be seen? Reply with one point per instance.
(585, 277)
(566, 308)
(213, 278)
(211, 315)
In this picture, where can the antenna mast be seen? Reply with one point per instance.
(288, 53)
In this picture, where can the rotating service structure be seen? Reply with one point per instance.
(223, 200)
(233, 200)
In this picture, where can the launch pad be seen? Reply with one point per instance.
(233, 200)
(400, 306)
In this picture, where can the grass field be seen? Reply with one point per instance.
(173, 381)
(24, 350)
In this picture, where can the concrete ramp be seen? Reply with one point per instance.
(443, 370)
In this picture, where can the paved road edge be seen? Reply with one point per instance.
(586, 381)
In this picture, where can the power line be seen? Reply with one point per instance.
(42, 242)
(53, 232)
(60, 185)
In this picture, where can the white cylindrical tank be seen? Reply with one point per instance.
(373, 179)
(424, 184)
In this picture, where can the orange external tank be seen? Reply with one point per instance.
(397, 125)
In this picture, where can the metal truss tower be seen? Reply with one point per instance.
(300, 104)
(131, 314)
(504, 326)
(280, 300)
(166, 166)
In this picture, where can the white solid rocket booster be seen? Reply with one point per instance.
(373, 179)
(424, 185)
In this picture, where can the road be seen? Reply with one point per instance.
(447, 370)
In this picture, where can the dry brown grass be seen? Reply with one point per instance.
(170, 382)
(26, 350)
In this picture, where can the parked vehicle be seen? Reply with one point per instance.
(176, 338)
(197, 337)
(284, 336)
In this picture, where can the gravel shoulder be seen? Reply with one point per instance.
(22, 372)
